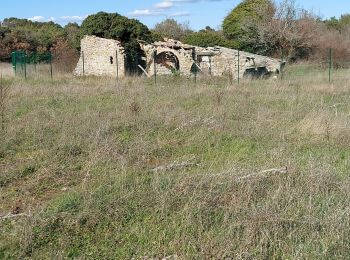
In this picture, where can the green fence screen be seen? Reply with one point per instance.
(22, 60)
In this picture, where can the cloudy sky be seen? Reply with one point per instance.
(199, 13)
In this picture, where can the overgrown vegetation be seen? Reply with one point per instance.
(279, 29)
(209, 38)
(128, 31)
(131, 170)
(252, 11)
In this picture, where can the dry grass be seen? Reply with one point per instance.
(6, 70)
(126, 169)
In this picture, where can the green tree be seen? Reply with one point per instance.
(23, 34)
(170, 28)
(344, 21)
(209, 38)
(127, 31)
(72, 33)
(240, 23)
(332, 23)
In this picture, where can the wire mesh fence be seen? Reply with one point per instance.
(26, 64)
(328, 69)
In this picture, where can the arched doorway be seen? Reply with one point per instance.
(167, 62)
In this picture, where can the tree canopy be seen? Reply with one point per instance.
(340, 24)
(23, 34)
(209, 38)
(170, 28)
(237, 24)
(127, 31)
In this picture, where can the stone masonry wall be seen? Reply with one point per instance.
(100, 57)
(218, 61)
(184, 57)
(224, 61)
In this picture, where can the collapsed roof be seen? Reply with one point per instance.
(101, 56)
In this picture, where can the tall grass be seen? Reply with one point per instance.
(121, 170)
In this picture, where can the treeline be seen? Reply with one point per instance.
(23, 34)
(280, 30)
(258, 26)
(41, 37)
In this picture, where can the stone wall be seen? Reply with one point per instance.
(221, 61)
(101, 57)
(183, 53)
(217, 61)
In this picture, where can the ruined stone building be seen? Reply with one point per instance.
(107, 57)
(100, 57)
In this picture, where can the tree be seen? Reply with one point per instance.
(23, 34)
(209, 38)
(287, 31)
(127, 31)
(248, 11)
(332, 23)
(344, 21)
(170, 28)
(72, 33)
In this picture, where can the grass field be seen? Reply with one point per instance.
(92, 168)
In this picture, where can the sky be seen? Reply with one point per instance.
(198, 13)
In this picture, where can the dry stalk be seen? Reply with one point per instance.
(11, 215)
(264, 174)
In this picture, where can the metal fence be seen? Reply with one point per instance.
(328, 68)
(25, 64)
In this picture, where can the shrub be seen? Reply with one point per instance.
(209, 38)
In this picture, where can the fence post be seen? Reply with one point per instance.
(238, 68)
(25, 66)
(2, 104)
(330, 65)
(13, 57)
(281, 65)
(195, 67)
(116, 61)
(155, 66)
(51, 74)
(83, 58)
(35, 59)
(210, 65)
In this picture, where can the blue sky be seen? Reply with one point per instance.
(199, 13)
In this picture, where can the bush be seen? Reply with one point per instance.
(209, 38)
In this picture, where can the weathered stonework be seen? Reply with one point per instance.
(220, 61)
(101, 57)
(217, 61)
(106, 57)
(183, 54)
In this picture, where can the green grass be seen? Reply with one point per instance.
(121, 170)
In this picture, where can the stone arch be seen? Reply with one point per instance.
(167, 61)
(184, 58)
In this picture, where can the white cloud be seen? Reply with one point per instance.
(160, 8)
(179, 14)
(75, 18)
(145, 12)
(36, 18)
(164, 5)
